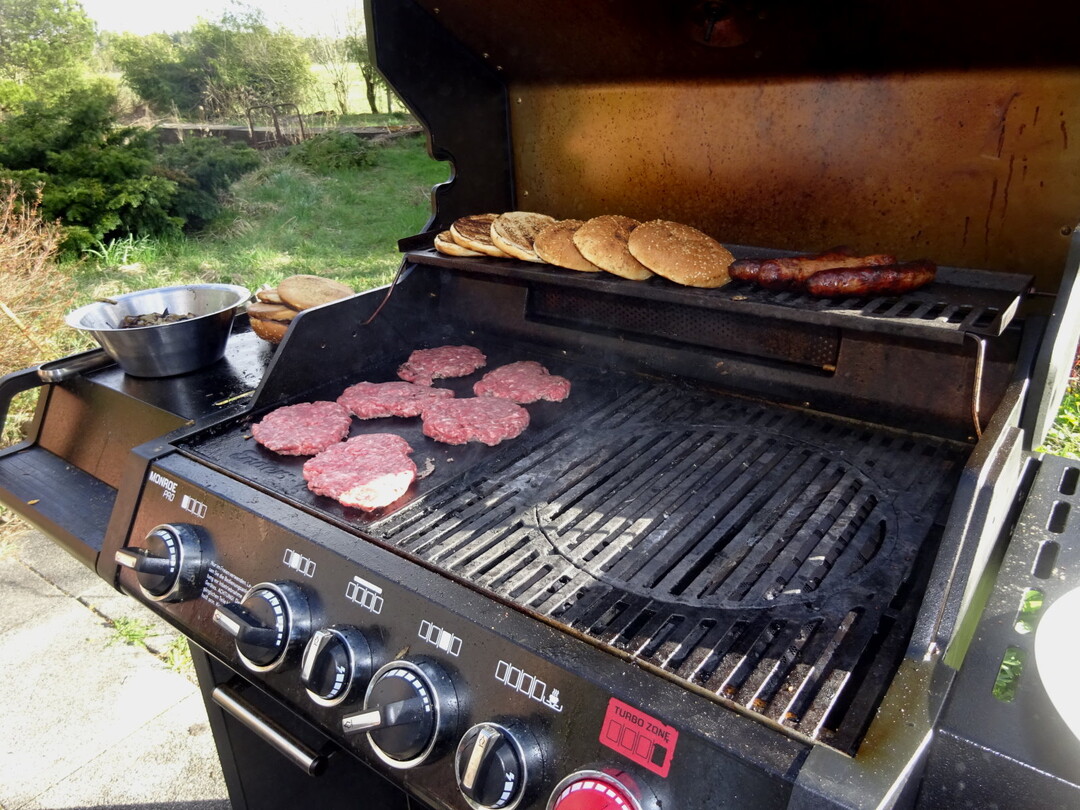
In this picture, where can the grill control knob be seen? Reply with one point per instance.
(493, 765)
(596, 790)
(409, 708)
(271, 620)
(168, 564)
(334, 659)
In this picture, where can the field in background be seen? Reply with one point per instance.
(283, 219)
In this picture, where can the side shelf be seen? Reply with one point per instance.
(66, 503)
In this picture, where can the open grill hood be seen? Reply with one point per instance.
(923, 130)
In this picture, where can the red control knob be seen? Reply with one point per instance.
(593, 790)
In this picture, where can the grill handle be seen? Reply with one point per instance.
(267, 730)
(47, 374)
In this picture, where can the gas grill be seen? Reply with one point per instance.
(772, 550)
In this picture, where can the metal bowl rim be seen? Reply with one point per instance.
(74, 318)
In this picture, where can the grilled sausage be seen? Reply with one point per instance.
(792, 273)
(751, 269)
(890, 279)
(745, 269)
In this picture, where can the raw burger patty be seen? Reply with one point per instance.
(366, 472)
(304, 429)
(425, 365)
(373, 400)
(481, 419)
(522, 382)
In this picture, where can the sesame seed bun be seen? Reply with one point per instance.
(602, 241)
(680, 253)
(555, 245)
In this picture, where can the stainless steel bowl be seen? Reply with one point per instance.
(164, 349)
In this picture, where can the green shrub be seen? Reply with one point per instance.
(203, 169)
(331, 151)
(105, 182)
(100, 180)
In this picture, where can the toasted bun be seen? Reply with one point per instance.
(269, 296)
(270, 312)
(680, 253)
(602, 241)
(474, 232)
(272, 331)
(555, 245)
(304, 292)
(444, 243)
(514, 232)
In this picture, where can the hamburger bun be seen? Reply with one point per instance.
(555, 245)
(270, 312)
(680, 253)
(602, 241)
(474, 232)
(514, 232)
(444, 243)
(305, 292)
(269, 295)
(272, 331)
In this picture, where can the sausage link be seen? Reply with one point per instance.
(749, 269)
(745, 269)
(890, 279)
(791, 273)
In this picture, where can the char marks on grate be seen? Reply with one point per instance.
(754, 552)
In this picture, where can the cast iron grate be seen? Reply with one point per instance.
(958, 302)
(756, 553)
(761, 555)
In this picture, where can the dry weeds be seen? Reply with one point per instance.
(34, 295)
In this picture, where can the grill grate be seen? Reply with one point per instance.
(958, 302)
(761, 555)
(747, 550)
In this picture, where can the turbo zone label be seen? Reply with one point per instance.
(639, 737)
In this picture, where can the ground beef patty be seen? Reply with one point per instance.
(366, 472)
(304, 429)
(522, 382)
(369, 400)
(481, 419)
(425, 365)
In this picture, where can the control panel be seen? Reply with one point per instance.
(469, 703)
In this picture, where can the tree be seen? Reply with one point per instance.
(357, 46)
(222, 67)
(332, 54)
(43, 43)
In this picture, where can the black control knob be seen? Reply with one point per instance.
(334, 659)
(494, 764)
(409, 708)
(271, 620)
(168, 563)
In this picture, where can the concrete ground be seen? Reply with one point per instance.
(89, 720)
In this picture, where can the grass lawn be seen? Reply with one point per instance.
(283, 219)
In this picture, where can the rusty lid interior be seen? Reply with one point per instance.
(923, 129)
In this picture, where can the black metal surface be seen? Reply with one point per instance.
(466, 118)
(258, 777)
(958, 302)
(1014, 752)
(67, 503)
(745, 550)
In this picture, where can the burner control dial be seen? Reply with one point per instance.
(600, 790)
(410, 707)
(267, 624)
(493, 765)
(168, 564)
(334, 659)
